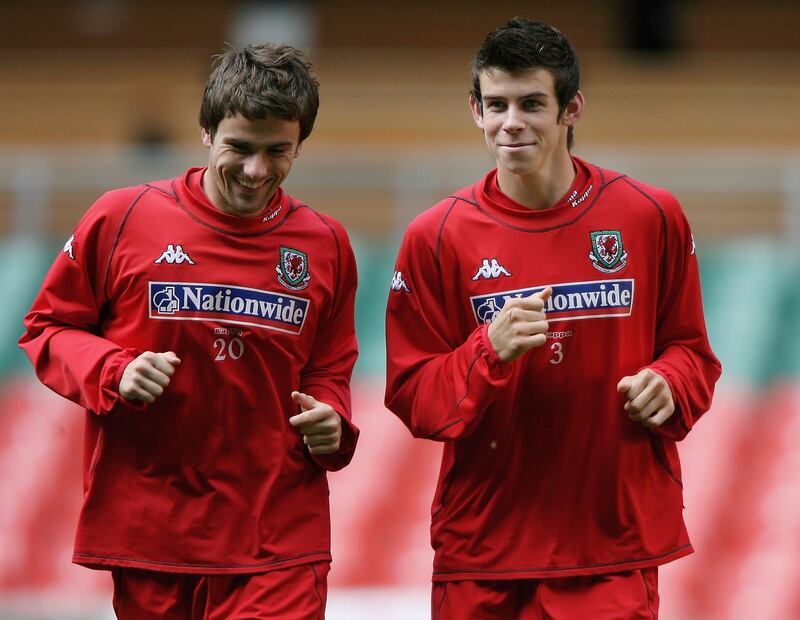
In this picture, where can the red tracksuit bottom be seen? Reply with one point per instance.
(631, 595)
(295, 593)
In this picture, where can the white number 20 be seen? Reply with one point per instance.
(233, 349)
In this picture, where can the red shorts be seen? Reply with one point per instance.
(295, 593)
(629, 595)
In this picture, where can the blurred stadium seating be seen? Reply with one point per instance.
(95, 98)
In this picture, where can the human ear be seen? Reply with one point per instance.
(572, 113)
(477, 110)
(205, 136)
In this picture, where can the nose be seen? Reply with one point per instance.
(256, 166)
(513, 122)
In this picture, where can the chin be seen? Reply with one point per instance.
(519, 169)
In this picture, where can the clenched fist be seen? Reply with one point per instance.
(319, 423)
(146, 377)
(649, 397)
(520, 326)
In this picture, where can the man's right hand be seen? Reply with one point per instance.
(520, 326)
(146, 377)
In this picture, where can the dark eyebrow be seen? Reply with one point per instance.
(240, 143)
(537, 93)
(237, 142)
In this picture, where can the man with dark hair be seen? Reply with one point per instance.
(546, 324)
(205, 323)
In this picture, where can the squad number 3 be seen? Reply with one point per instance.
(558, 353)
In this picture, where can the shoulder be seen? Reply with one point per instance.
(618, 184)
(659, 196)
(648, 203)
(319, 226)
(431, 222)
(313, 219)
(120, 198)
(123, 198)
(624, 192)
(335, 226)
(111, 208)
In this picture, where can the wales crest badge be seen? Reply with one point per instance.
(607, 253)
(292, 269)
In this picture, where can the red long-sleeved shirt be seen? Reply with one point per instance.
(543, 474)
(210, 478)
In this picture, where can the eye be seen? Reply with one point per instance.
(531, 104)
(496, 106)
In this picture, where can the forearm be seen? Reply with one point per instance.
(82, 367)
(444, 396)
(691, 375)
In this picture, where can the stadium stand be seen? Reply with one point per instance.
(84, 110)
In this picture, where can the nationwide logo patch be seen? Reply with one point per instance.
(593, 299)
(195, 301)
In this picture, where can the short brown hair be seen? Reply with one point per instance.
(522, 44)
(260, 81)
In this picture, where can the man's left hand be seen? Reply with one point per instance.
(649, 398)
(319, 423)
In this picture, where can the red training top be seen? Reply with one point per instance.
(211, 477)
(543, 474)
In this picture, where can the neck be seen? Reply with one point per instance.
(540, 189)
(209, 190)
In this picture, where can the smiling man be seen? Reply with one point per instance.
(546, 325)
(206, 325)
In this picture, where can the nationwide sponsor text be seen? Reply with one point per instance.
(193, 301)
(571, 300)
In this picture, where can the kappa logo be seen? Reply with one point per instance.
(398, 284)
(607, 253)
(292, 269)
(68, 247)
(490, 270)
(272, 215)
(576, 201)
(174, 254)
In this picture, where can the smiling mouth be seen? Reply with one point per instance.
(250, 185)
